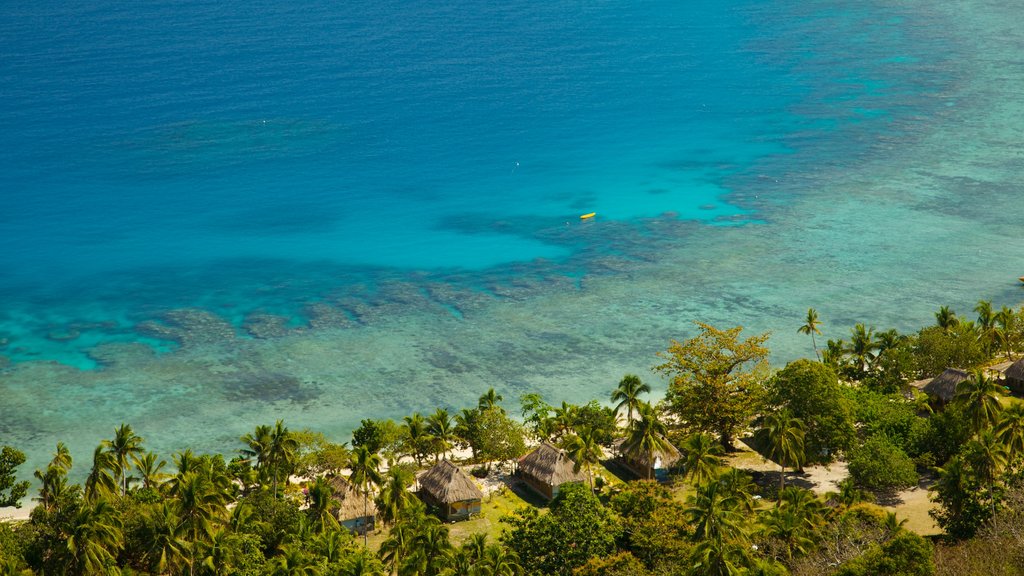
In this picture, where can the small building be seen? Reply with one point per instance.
(942, 388)
(654, 466)
(547, 468)
(353, 512)
(1013, 377)
(450, 490)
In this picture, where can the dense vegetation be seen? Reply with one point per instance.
(205, 514)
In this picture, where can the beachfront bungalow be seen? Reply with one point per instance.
(942, 388)
(654, 466)
(545, 470)
(1013, 377)
(353, 512)
(449, 490)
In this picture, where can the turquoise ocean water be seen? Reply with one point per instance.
(217, 214)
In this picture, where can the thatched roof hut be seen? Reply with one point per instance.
(353, 511)
(649, 465)
(943, 387)
(1014, 376)
(451, 490)
(547, 468)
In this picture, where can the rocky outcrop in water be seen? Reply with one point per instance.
(189, 327)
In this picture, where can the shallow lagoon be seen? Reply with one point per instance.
(889, 186)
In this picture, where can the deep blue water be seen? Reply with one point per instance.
(257, 155)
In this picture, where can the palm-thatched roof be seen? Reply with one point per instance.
(1016, 371)
(350, 501)
(447, 483)
(550, 466)
(668, 455)
(943, 386)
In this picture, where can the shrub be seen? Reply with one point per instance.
(879, 464)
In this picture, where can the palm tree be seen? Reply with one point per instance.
(292, 561)
(490, 399)
(849, 494)
(979, 397)
(715, 514)
(702, 457)
(430, 547)
(399, 544)
(125, 446)
(419, 441)
(946, 318)
(101, 482)
(439, 425)
(811, 327)
(986, 324)
(364, 475)
(717, 558)
(862, 347)
(647, 438)
(627, 396)
(321, 501)
(498, 561)
(805, 505)
(785, 525)
(217, 554)
(394, 495)
(1005, 333)
(95, 538)
(989, 456)
(783, 439)
(257, 450)
(53, 482)
(149, 470)
(584, 451)
(167, 539)
(282, 452)
(892, 524)
(1011, 429)
(737, 483)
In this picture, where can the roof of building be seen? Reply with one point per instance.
(447, 483)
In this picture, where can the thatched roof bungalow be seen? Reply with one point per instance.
(353, 512)
(547, 468)
(1013, 377)
(451, 491)
(942, 388)
(654, 466)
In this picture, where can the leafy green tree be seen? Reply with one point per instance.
(716, 380)
(315, 455)
(937, 349)
(810, 391)
(11, 491)
(126, 446)
(979, 398)
(718, 558)
(499, 437)
(467, 429)
(577, 529)
(782, 438)
(702, 458)
(646, 439)
(784, 525)
(627, 395)
(906, 554)
(654, 523)
(879, 464)
(810, 327)
(537, 416)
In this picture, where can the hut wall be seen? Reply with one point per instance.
(359, 526)
(461, 510)
(543, 488)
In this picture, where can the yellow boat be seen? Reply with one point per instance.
(586, 216)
